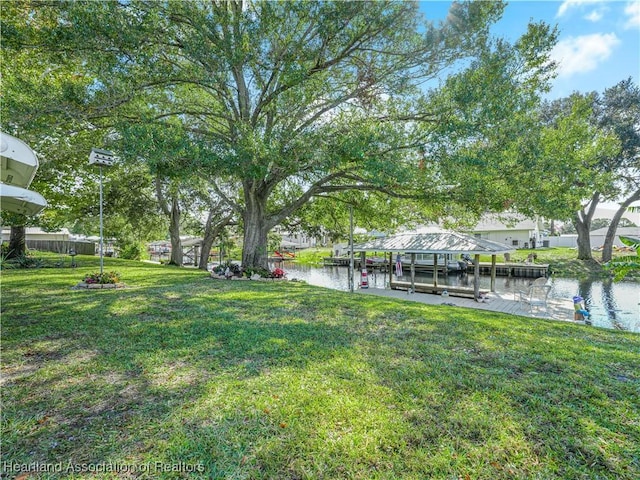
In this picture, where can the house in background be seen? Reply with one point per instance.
(35, 234)
(511, 230)
(160, 250)
(598, 236)
(298, 241)
(57, 242)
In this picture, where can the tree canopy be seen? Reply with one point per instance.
(291, 101)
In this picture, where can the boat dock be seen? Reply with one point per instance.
(377, 264)
(526, 270)
(556, 308)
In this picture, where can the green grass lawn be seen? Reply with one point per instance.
(281, 380)
(313, 256)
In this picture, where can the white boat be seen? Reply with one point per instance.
(18, 166)
(18, 163)
(426, 260)
(20, 200)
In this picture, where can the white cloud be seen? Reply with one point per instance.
(569, 4)
(594, 16)
(583, 54)
(632, 10)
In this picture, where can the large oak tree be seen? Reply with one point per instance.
(295, 100)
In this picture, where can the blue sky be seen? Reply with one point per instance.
(598, 45)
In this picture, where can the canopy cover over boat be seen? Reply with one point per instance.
(434, 242)
(18, 162)
(20, 200)
(18, 166)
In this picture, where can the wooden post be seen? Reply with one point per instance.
(493, 272)
(435, 269)
(351, 275)
(447, 258)
(413, 272)
(476, 276)
(390, 268)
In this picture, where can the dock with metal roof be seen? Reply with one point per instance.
(436, 243)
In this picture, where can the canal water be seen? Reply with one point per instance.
(612, 305)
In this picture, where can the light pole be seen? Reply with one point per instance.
(351, 274)
(102, 158)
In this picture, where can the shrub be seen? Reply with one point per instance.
(278, 273)
(23, 261)
(248, 272)
(132, 251)
(102, 278)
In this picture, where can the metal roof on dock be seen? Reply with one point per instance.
(434, 242)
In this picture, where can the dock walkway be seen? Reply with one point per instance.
(557, 308)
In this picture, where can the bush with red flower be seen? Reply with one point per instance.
(102, 278)
(278, 273)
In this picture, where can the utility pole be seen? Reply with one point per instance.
(102, 158)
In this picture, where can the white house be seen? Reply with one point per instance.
(510, 229)
(37, 234)
(57, 242)
(598, 236)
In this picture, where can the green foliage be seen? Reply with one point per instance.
(27, 260)
(625, 222)
(249, 271)
(598, 223)
(568, 170)
(622, 266)
(234, 267)
(132, 251)
(6, 264)
(243, 91)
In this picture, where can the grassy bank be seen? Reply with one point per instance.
(563, 263)
(287, 381)
(312, 256)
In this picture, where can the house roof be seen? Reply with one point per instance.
(191, 241)
(495, 223)
(38, 231)
(624, 231)
(435, 242)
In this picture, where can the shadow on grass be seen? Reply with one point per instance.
(123, 362)
(545, 387)
(267, 380)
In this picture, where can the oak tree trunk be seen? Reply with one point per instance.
(607, 249)
(173, 214)
(582, 222)
(174, 233)
(256, 228)
(17, 242)
(211, 231)
(584, 240)
(207, 242)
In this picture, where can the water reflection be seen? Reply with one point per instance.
(608, 300)
(612, 305)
